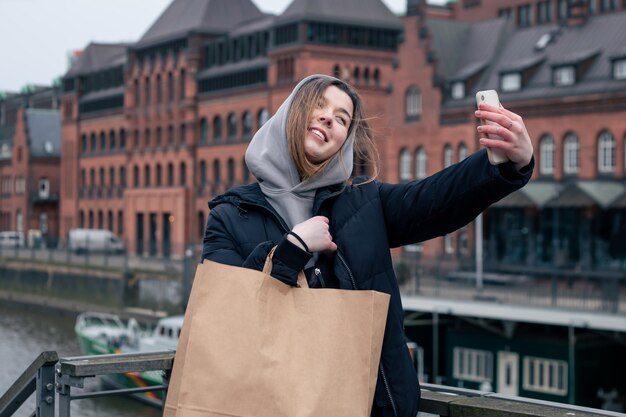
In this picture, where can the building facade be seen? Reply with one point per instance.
(155, 129)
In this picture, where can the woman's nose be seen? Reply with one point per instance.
(325, 119)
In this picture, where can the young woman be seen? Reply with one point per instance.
(339, 232)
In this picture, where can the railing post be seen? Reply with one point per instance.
(45, 391)
(64, 384)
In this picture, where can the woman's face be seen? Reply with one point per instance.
(328, 125)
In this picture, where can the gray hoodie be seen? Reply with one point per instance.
(269, 161)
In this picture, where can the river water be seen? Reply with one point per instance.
(24, 334)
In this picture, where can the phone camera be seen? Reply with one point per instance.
(482, 97)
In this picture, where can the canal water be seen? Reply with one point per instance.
(24, 334)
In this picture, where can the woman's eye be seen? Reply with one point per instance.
(341, 120)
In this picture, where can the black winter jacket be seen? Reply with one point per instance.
(365, 221)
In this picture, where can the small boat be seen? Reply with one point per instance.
(101, 333)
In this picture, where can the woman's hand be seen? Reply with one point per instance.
(315, 234)
(515, 143)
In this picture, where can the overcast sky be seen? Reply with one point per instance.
(36, 36)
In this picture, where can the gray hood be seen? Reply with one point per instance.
(269, 161)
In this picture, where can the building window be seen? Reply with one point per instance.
(421, 162)
(203, 177)
(146, 176)
(230, 168)
(462, 151)
(232, 127)
(545, 375)
(83, 144)
(405, 165)
(458, 90)
(505, 13)
(183, 84)
(544, 11)
(170, 87)
(511, 81)
(546, 155)
(122, 139)
(147, 92)
(159, 87)
(472, 364)
(263, 117)
(183, 174)
(571, 154)
(159, 175)
(136, 176)
(159, 137)
(247, 124)
(217, 129)
(170, 174)
(448, 243)
(591, 7)
(204, 131)
(217, 172)
(619, 69)
(524, 15)
(170, 135)
(608, 5)
(463, 241)
(606, 152)
(44, 188)
(103, 141)
(563, 9)
(123, 177)
(120, 223)
(448, 156)
(564, 75)
(413, 103)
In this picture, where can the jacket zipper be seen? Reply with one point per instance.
(382, 369)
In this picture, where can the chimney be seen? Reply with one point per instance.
(578, 13)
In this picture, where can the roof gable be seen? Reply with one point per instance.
(97, 56)
(206, 16)
(358, 12)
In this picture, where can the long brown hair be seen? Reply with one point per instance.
(304, 103)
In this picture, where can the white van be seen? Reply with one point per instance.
(94, 240)
(11, 239)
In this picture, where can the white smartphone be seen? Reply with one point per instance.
(496, 156)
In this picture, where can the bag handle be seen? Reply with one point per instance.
(267, 269)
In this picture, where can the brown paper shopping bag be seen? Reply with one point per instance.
(253, 346)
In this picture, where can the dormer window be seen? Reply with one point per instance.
(458, 90)
(511, 82)
(564, 75)
(619, 69)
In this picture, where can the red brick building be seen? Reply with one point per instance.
(153, 130)
(29, 173)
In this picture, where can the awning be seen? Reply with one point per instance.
(534, 194)
(581, 194)
(577, 194)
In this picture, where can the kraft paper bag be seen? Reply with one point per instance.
(252, 346)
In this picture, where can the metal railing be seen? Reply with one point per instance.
(48, 375)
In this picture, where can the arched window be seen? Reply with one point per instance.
(262, 117)
(103, 141)
(366, 75)
(376, 76)
(336, 71)
(81, 219)
(217, 172)
(183, 174)
(183, 83)
(120, 223)
(92, 177)
(100, 219)
(232, 127)
(93, 142)
(170, 174)
(146, 176)
(136, 176)
(448, 155)
(246, 121)
(546, 155)
(170, 135)
(111, 177)
(421, 163)
(170, 87)
(462, 151)
(123, 176)
(356, 75)
(122, 139)
(159, 175)
(183, 134)
(146, 138)
(147, 91)
(159, 136)
(159, 87)
(202, 178)
(136, 139)
(571, 154)
(413, 103)
(83, 143)
(217, 129)
(91, 219)
(83, 178)
(101, 177)
(606, 152)
(110, 220)
(246, 171)
(204, 131)
(112, 140)
(201, 225)
(231, 171)
(405, 165)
